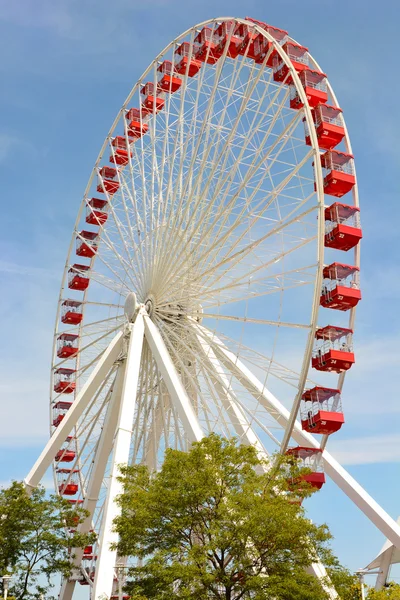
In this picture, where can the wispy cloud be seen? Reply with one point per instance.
(9, 145)
(367, 450)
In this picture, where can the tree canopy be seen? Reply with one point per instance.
(391, 592)
(214, 523)
(36, 536)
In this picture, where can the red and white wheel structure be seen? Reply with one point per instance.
(214, 261)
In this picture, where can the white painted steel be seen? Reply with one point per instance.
(173, 382)
(96, 477)
(81, 402)
(104, 577)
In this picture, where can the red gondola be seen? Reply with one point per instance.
(71, 312)
(321, 410)
(64, 381)
(341, 289)
(315, 87)
(60, 409)
(333, 350)
(87, 243)
(339, 174)
(249, 35)
(228, 31)
(310, 458)
(152, 100)
(137, 126)
(329, 126)
(65, 456)
(188, 65)
(299, 58)
(106, 181)
(263, 47)
(69, 485)
(342, 227)
(77, 280)
(96, 211)
(204, 46)
(168, 82)
(121, 153)
(67, 346)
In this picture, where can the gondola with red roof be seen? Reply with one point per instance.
(228, 34)
(309, 458)
(77, 277)
(64, 381)
(121, 152)
(188, 64)
(168, 82)
(152, 98)
(341, 288)
(299, 58)
(96, 211)
(67, 345)
(338, 172)
(321, 410)
(69, 485)
(315, 87)
(71, 312)
(60, 409)
(65, 455)
(342, 226)
(264, 48)
(204, 46)
(333, 350)
(136, 123)
(107, 183)
(87, 243)
(328, 122)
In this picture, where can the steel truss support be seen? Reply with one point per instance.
(104, 448)
(80, 403)
(173, 382)
(388, 556)
(336, 472)
(103, 583)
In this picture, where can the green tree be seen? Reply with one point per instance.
(345, 583)
(391, 592)
(212, 524)
(36, 536)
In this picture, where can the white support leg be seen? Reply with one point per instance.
(225, 392)
(103, 451)
(340, 476)
(80, 403)
(103, 583)
(172, 380)
(384, 567)
(388, 556)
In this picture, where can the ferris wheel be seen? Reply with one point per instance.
(212, 277)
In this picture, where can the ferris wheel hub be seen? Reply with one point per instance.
(149, 305)
(131, 307)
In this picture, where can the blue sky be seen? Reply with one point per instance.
(66, 68)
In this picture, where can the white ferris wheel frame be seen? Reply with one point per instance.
(123, 357)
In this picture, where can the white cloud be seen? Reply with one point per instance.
(367, 450)
(8, 144)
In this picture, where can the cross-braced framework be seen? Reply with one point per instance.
(194, 302)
